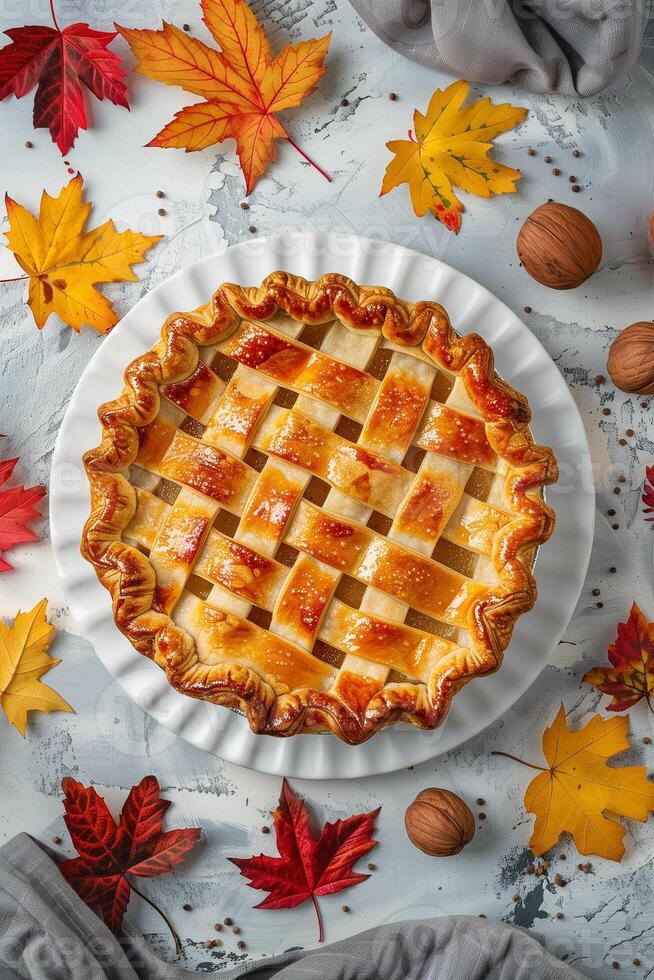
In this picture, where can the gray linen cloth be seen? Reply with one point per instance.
(47, 933)
(574, 47)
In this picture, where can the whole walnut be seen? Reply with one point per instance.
(631, 359)
(439, 822)
(559, 246)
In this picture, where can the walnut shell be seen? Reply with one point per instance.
(631, 359)
(439, 823)
(559, 246)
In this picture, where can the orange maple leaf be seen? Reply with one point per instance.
(243, 85)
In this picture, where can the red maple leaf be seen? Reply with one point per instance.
(631, 677)
(108, 851)
(57, 62)
(16, 509)
(309, 866)
(648, 493)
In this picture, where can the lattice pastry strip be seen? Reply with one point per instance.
(190, 431)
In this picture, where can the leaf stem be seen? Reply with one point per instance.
(54, 16)
(507, 755)
(319, 918)
(309, 160)
(178, 945)
(15, 279)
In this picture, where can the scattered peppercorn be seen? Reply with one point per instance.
(600, 605)
(236, 930)
(392, 96)
(647, 740)
(531, 152)
(211, 943)
(575, 188)
(228, 921)
(576, 153)
(187, 907)
(265, 829)
(160, 194)
(611, 512)
(56, 840)
(606, 411)
(527, 309)
(617, 490)
(161, 211)
(613, 569)
(252, 229)
(187, 27)
(344, 102)
(559, 915)
(621, 478)
(572, 179)
(555, 171)
(562, 857)
(240, 944)
(596, 591)
(372, 867)
(245, 206)
(615, 965)
(516, 897)
(547, 159)
(480, 801)
(29, 144)
(630, 432)
(530, 869)
(558, 880)
(482, 816)
(622, 442)
(218, 926)
(615, 526)
(636, 961)
(345, 908)
(599, 379)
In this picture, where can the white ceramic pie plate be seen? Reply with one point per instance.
(560, 568)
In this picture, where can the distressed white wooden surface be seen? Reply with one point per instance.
(609, 914)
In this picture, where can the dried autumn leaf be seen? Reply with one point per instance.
(64, 262)
(108, 851)
(648, 493)
(17, 508)
(632, 655)
(580, 794)
(57, 62)
(308, 866)
(450, 149)
(23, 660)
(244, 86)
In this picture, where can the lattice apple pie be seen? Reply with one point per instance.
(316, 503)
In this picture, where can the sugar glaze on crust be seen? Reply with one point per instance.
(127, 573)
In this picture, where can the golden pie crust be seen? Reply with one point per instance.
(316, 503)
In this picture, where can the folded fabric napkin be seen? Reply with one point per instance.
(574, 47)
(48, 933)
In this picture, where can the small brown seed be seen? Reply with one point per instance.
(621, 478)
(527, 309)
(617, 490)
(187, 907)
(160, 194)
(547, 159)
(218, 926)
(482, 816)
(599, 379)
(644, 405)
(611, 512)
(613, 569)
(56, 840)
(559, 880)
(161, 211)
(29, 144)
(576, 153)
(596, 591)
(265, 829)
(606, 411)
(344, 102)
(630, 432)
(236, 930)
(636, 961)
(615, 526)
(245, 206)
(252, 229)
(555, 171)
(559, 915)
(210, 944)
(345, 908)
(392, 96)
(516, 897)
(240, 944)
(572, 179)
(228, 921)
(615, 965)
(622, 442)
(600, 605)
(562, 857)
(187, 27)
(480, 801)
(647, 740)
(575, 188)
(372, 867)
(531, 152)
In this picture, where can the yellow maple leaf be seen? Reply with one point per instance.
(23, 659)
(244, 86)
(450, 149)
(580, 794)
(64, 262)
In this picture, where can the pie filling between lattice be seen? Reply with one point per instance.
(316, 503)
